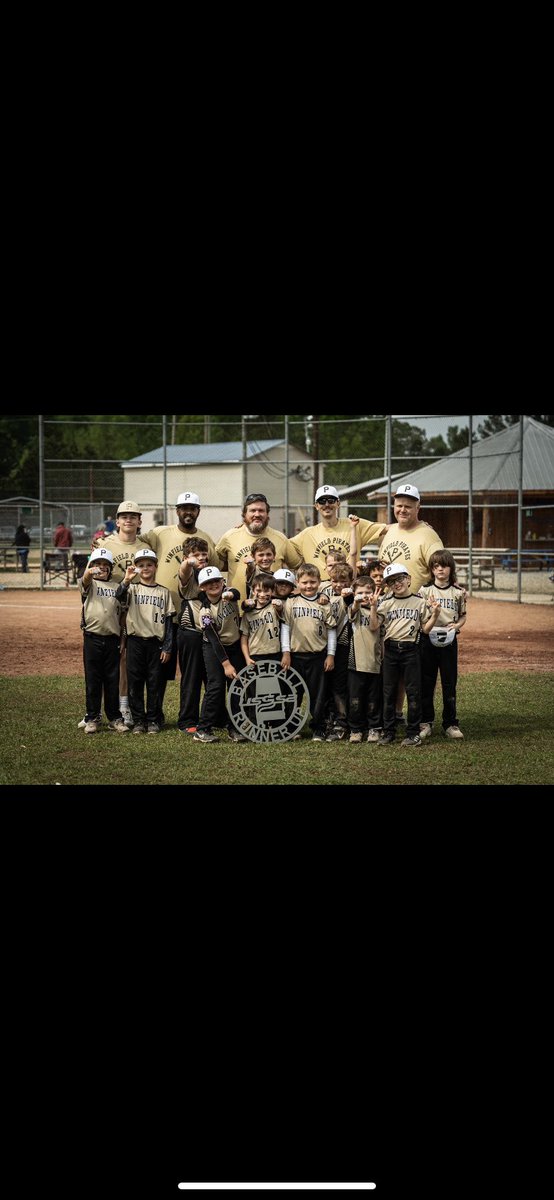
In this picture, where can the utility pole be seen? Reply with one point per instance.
(315, 427)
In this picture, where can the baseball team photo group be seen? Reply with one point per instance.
(327, 629)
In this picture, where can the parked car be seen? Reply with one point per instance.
(34, 532)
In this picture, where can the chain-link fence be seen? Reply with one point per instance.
(486, 497)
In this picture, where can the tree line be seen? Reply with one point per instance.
(336, 436)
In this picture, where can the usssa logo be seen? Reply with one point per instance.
(267, 703)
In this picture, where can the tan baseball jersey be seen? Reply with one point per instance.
(401, 617)
(340, 610)
(188, 616)
(308, 622)
(451, 600)
(167, 541)
(413, 548)
(365, 644)
(226, 621)
(236, 545)
(149, 606)
(316, 541)
(101, 610)
(123, 554)
(262, 628)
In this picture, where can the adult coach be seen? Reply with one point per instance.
(410, 541)
(332, 532)
(235, 545)
(167, 542)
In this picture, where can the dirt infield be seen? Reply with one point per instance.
(40, 635)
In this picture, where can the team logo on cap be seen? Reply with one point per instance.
(267, 703)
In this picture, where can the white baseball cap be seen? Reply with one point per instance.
(442, 637)
(105, 554)
(408, 489)
(128, 506)
(327, 492)
(146, 554)
(285, 576)
(208, 573)
(394, 569)
(188, 498)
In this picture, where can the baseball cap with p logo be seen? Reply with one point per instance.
(408, 489)
(207, 574)
(327, 492)
(188, 498)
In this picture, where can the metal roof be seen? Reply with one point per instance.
(344, 492)
(495, 464)
(212, 452)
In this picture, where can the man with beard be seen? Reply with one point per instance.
(167, 542)
(235, 545)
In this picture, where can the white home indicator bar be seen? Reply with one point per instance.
(277, 1187)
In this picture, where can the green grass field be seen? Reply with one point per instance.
(507, 720)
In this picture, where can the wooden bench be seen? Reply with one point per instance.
(9, 554)
(482, 572)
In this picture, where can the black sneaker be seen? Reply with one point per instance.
(200, 736)
(412, 741)
(336, 735)
(235, 736)
(386, 739)
(318, 737)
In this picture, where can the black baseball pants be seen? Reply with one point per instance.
(310, 666)
(336, 707)
(101, 663)
(402, 660)
(193, 675)
(143, 669)
(437, 660)
(214, 710)
(365, 701)
(168, 671)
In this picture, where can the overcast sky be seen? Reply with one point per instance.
(433, 426)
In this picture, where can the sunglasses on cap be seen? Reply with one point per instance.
(255, 496)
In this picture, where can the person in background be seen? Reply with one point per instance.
(22, 542)
(63, 540)
(109, 525)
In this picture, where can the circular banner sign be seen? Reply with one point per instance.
(267, 703)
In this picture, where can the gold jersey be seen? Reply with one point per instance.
(149, 606)
(101, 609)
(309, 622)
(365, 652)
(451, 600)
(167, 542)
(123, 553)
(262, 628)
(401, 617)
(316, 541)
(236, 545)
(413, 549)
